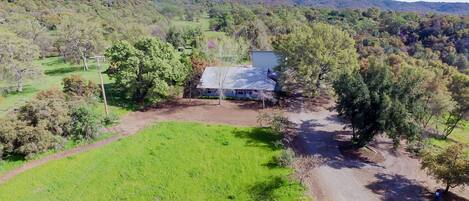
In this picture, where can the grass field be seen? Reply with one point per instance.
(13, 162)
(460, 135)
(203, 23)
(54, 71)
(169, 161)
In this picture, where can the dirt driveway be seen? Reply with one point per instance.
(397, 177)
(242, 113)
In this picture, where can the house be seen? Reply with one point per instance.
(255, 82)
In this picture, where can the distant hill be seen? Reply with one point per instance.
(423, 7)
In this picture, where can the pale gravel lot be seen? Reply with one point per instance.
(398, 177)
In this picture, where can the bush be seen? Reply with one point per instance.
(110, 120)
(85, 124)
(17, 137)
(286, 157)
(49, 109)
(75, 85)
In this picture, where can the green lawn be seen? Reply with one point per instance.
(169, 161)
(13, 162)
(203, 23)
(54, 71)
(460, 135)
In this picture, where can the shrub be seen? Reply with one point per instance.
(276, 121)
(49, 109)
(75, 85)
(85, 124)
(279, 124)
(17, 137)
(286, 157)
(110, 120)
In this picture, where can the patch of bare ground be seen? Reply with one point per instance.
(365, 154)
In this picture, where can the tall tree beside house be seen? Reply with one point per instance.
(256, 32)
(225, 51)
(16, 59)
(198, 62)
(80, 38)
(312, 56)
(148, 70)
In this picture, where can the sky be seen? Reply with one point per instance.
(448, 1)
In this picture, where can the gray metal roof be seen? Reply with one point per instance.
(252, 78)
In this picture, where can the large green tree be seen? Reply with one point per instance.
(312, 56)
(147, 71)
(377, 100)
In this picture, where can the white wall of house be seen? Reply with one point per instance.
(239, 94)
(264, 59)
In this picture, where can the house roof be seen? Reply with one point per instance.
(248, 78)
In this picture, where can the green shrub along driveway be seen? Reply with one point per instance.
(168, 161)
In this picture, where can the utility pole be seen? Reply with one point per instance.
(98, 59)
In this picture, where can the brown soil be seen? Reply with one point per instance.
(242, 113)
(364, 154)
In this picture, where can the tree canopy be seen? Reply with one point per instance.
(449, 165)
(312, 56)
(16, 59)
(147, 71)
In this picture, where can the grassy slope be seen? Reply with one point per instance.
(170, 161)
(460, 135)
(203, 23)
(54, 71)
(16, 161)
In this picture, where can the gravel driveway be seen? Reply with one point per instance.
(398, 177)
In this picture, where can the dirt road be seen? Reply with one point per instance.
(397, 177)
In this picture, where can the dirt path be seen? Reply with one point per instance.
(206, 111)
(397, 177)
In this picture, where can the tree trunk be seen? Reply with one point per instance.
(83, 57)
(19, 80)
(449, 129)
(19, 85)
(447, 187)
(427, 121)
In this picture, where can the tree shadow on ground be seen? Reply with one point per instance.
(117, 98)
(266, 190)
(397, 187)
(63, 70)
(299, 103)
(260, 137)
(14, 157)
(450, 196)
(175, 105)
(27, 89)
(320, 143)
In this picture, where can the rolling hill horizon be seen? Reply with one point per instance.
(394, 5)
